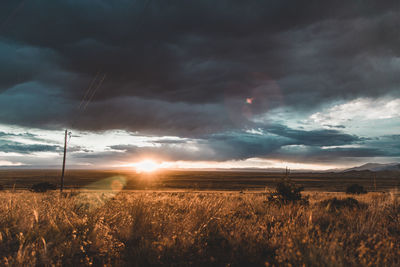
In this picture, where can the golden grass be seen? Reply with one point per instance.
(180, 229)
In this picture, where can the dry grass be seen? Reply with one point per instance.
(180, 229)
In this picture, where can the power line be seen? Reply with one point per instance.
(88, 96)
(88, 90)
(94, 92)
(90, 93)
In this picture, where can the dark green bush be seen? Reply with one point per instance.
(287, 191)
(43, 187)
(355, 189)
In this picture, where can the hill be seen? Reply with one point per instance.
(376, 167)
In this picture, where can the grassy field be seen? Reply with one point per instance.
(122, 228)
(180, 218)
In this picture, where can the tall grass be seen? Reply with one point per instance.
(180, 229)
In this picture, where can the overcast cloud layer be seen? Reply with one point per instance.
(229, 80)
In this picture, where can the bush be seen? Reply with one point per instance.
(334, 204)
(43, 187)
(355, 189)
(287, 191)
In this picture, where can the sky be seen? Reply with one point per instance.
(199, 84)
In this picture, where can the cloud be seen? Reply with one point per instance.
(158, 117)
(361, 109)
(240, 145)
(272, 143)
(25, 135)
(314, 137)
(9, 147)
(187, 58)
(187, 69)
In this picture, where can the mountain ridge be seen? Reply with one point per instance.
(376, 167)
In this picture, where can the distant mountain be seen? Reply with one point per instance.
(376, 167)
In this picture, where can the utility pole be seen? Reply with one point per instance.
(86, 99)
(63, 166)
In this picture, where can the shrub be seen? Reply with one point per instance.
(43, 187)
(287, 191)
(355, 189)
(334, 204)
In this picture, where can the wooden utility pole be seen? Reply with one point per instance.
(63, 166)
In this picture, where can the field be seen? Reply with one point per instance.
(96, 222)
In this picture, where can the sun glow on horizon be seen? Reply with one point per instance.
(150, 165)
(146, 166)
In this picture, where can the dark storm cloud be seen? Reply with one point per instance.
(388, 143)
(192, 52)
(242, 145)
(318, 155)
(197, 69)
(159, 117)
(316, 137)
(166, 142)
(346, 58)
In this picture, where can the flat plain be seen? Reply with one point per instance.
(202, 180)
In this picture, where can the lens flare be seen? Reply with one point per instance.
(249, 100)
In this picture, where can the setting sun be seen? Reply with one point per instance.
(146, 166)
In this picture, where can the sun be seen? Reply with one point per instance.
(146, 166)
